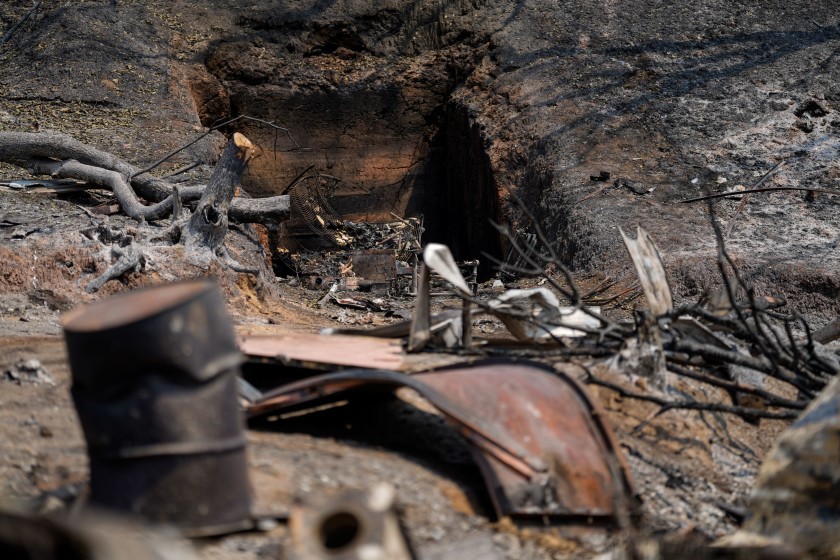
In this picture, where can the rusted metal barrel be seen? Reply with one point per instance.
(154, 384)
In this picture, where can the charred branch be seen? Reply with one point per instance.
(128, 259)
(751, 339)
(36, 150)
(105, 178)
(24, 19)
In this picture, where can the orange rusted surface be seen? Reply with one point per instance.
(551, 418)
(541, 444)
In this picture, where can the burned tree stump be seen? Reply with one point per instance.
(204, 234)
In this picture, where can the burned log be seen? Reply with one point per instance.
(62, 156)
(202, 232)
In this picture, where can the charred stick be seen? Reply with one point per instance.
(203, 135)
(720, 354)
(780, 343)
(571, 293)
(757, 318)
(770, 398)
(555, 259)
(181, 170)
(794, 345)
(764, 189)
(747, 197)
(743, 411)
(15, 27)
(600, 288)
(297, 179)
(619, 295)
(722, 259)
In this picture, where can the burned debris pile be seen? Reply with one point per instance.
(319, 249)
(541, 442)
(197, 215)
(524, 401)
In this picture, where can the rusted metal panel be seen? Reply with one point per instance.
(552, 418)
(312, 350)
(154, 384)
(540, 442)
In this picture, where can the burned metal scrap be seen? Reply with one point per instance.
(360, 255)
(353, 525)
(535, 433)
(154, 384)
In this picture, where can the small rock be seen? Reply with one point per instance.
(52, 504)
(779, 104)
(45, 432)
(28, 372)
(811, 108)
(266, 524)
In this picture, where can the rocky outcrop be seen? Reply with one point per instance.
(797, 494)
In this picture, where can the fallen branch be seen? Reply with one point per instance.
(763, 189)
(15, 27)
(33, 151)
(111, 180)
(128, 259)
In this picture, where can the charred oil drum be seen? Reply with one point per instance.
(154, 384)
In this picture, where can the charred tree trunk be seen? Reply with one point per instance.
(204, 235)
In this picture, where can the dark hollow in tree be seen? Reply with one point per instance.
(209, 222)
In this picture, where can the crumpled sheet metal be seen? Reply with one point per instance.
(548, 318)
(537, 437)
